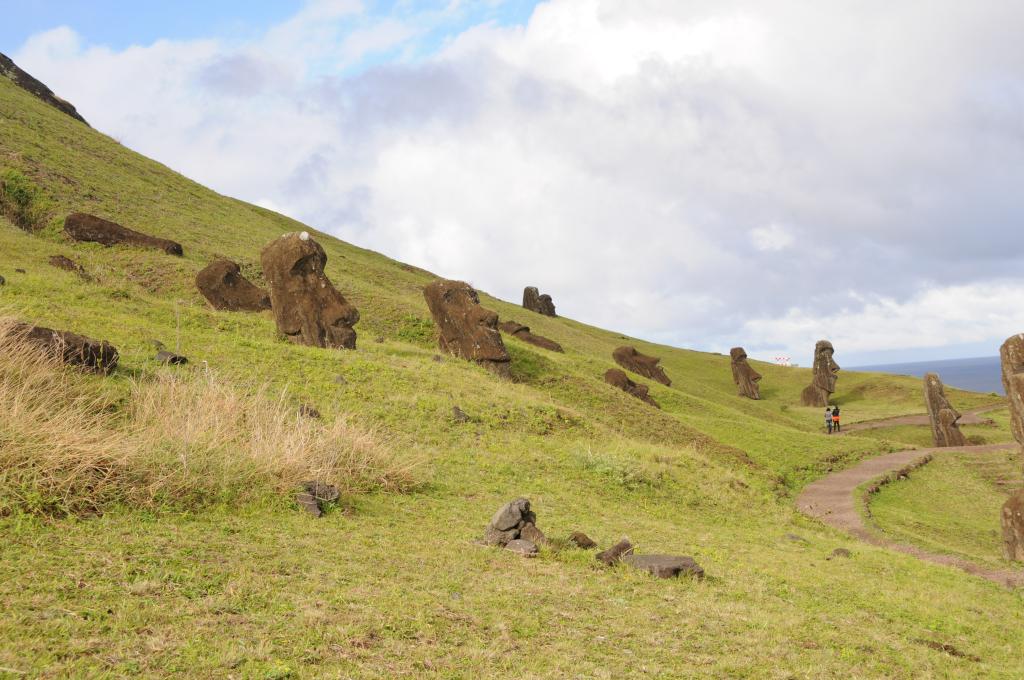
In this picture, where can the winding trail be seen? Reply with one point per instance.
(972, 417)
(832, 500)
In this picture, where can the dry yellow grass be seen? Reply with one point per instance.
(71, 444)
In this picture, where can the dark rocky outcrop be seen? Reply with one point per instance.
(82, 227)
(1011, 355)
(614, 554)
(68, 265)
(522, 332)
(170, 358)
(73, 349)
(743, 374)
(941, 414)
(823, 384)
(307, 307)
(617, 378)
(222, 284)
(467, 329)
(510, 522)
(641, 364)
(665, 566)
(535, 302)
(23, 80)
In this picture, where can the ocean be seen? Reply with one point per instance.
(981, 374)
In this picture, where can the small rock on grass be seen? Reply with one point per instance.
(165, 357)
(508, 522)
(581, 540)
(308, 411)
(531, 533)
(612, 555)
(665, 566)
(308, 502)
(314, 495)
(840, 552)
(20, 271)
(522, 547)
(2, 280)
(459, 416)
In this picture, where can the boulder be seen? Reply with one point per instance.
(314, 495)
(614, 554)
(523, 333)
(307, 307)
(743, 374)
(69, 265)
(531, 533)
(581, 540)
(941, 414)
(521, 546)
(665, 566)
(617, 378)
(467, 330)
(641, 364)
(73, 349)
(1011, 356)
(1012, 521)
(508, 522)
(82, 227)
(170, 358)
(535, 302)
(823, 382)
(222, 284)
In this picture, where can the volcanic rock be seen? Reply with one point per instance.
(839, 552)
(641, 364)
(743, 374)
(67, 264)
(581, 540)
(308, 309)
(531, 533)
(617, 378)
(823, 384)
(308, 411)
(26, 82)
(508, 522)
(2, 280)
(467, 329)
(71, 348)
(941, 414)
(523, 547)
(170, 358)
(460, 416)
(1012, 521)
(523, 333)
(222, 284)
(665, 566)
(535, 302)
(612, 555)
(82, 227)
(314, 495)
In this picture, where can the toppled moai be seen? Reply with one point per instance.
(641, 364)
(522, 332)
(744, 375)
(535, 302)
(515, 523)
(72, 349)
(222, 284)
(823, 383)
(1011, 356)
(82, 227)
(617, 378)
(941, 414)
(466, 328)
(307, 308)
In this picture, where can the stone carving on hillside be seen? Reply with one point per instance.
(1011, 355)
(98, 356)
(941, 414)
(823, 384)
(27, 82)
(617, 378)
(82, 227)
(744, 375)
(222, 284)
(467, 329)
(535, 302)
(641, 364)
(523, 333)
(307, 307)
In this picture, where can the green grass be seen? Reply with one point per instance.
(393, 584)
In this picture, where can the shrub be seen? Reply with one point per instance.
(21, 201)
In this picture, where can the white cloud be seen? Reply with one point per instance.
(772, 238)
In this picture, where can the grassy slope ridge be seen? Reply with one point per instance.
(394, 585)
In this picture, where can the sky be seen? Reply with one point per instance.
(702, 173)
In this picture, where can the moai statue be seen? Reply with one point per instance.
(819, 392)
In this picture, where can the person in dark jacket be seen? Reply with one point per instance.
(835, 418)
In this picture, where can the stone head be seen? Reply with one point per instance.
(825, 367)
(467, 329)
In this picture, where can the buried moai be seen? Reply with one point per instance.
(307, 307)
(1011, 356)
(222, 284)
(641, 364)
(617, 378)
(941, 414)
(98, 356)
(467, 329)
(82, 227)
(535, 302)
(744, 375)
(522, 332)
(823, 384)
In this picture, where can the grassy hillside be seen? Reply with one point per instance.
(392, 583)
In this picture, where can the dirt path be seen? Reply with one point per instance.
(972, 417)
(832, 499)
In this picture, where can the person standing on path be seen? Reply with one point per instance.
(835, 418)
(828, 420)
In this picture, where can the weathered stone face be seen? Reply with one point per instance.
(1011, 355)
(1012, 521)
(941, 414)
(523, 333)
(743, 374)
(222, 284)
(467, 329)
(823, 384)
(82, 227)
(73, 349)
(617, 378)
(641, 364)
(307, 307)
(535, 302)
